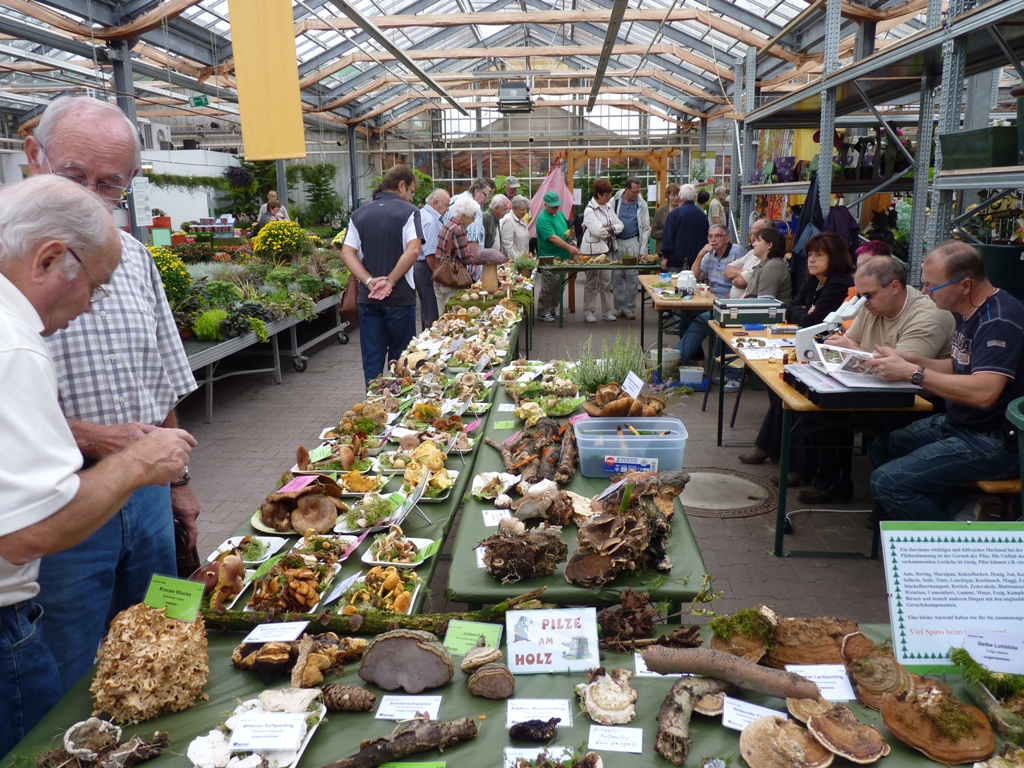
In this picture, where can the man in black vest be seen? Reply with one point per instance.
(382, 244)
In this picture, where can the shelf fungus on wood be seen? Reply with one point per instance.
(839, 731)
(774, 742)
(877, 674)
(409, 659)
(933, 722)
(492, 681)
(511, 556)
(607, 698)
(673, 738)
(804, 709)
(479, 655)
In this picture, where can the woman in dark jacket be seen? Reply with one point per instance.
(829, 277)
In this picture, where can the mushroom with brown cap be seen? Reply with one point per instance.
(841, 732)
(804, 709)
(774, 742)
(877, 674)
(933, 722)
(490, 258)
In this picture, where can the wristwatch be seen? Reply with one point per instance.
(184, 479)
(917, 377)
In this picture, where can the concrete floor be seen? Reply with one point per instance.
(258, 425)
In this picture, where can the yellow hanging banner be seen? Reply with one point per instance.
(267, 74)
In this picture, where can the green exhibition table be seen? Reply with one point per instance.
(470, 583)
(566, 270)
(340, 734)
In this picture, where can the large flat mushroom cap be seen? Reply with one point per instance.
(804, 709)
(840, 731)
(877, 674)
(710, 704)
(914, 723)
(774, 742)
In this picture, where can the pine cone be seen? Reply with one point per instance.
(348, 698)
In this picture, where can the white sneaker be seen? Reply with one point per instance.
(970, 512)
(610, 317)
(589, 317)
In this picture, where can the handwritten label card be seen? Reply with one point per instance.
(507, 407)
(614, 738)
(483, 362)
(831, 679)
(493, 516)
(632, 385)
(640, 668)
(462, 635)
(512, 438)
(479, 552)
(610, 490)
(268, 731)
(406, 707)
(320, 453)
(521, 710)
(283, 632)
(999, 651)
(739, 714)
(180, 597)
(504, 425)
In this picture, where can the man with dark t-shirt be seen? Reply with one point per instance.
(382, 244)
(971, 441)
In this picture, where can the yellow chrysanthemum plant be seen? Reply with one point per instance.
(281, 238)
(173, 273)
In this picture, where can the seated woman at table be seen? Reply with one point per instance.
(829, 277)
(771, 275)
(600, 225)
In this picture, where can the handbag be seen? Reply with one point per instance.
(187, 557)
(349, 309)
(452, 273)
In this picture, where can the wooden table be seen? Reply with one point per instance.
(566, 270)
(662, 304)
(792, 401)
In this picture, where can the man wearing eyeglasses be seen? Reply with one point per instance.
(972, 440)
(121, 369)
(58, 245)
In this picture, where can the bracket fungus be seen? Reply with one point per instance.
(839, 730)
(410, 659)
(774, 742)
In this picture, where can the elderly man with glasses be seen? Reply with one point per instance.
(58, 246)
(120, 369)
(928, 461)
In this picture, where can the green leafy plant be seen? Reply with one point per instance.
(281, 276)
(322, 201)
(310, 284)
(424, 186)
(612, 365)
(525, 262)
(260, 329)
(207, 326)
(173, 274)
(219, 293)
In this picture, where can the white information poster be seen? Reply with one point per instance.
(947, 579)
(556, 640)
(140, 199)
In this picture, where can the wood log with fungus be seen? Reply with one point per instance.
(732, 669)
(409, 739)
(673, 739)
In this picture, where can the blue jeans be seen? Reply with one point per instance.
(384, 333)
(692, 338)
(29, 683)
(84, 587)
(931, 459)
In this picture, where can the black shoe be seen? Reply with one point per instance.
(814, 496)
(793, 480)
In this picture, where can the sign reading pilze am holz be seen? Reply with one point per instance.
(558, 640)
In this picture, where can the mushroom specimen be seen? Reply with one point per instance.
(933, 722)
(348, 698)
(479, 655)
(804, 709)
(492, 681)
(839, 730)
(536, 731)
(877, 674)
(490, 258)
(409, 659)
(511, 556)
(673, 740)
(774, 742)
(607, 697)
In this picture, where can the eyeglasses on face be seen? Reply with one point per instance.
(100, 292)
(927, 288)
(112, 192)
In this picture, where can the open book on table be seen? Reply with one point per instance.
(847, 366)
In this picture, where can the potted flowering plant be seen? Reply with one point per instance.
(160, 220)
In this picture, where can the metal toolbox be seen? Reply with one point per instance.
(743, 311)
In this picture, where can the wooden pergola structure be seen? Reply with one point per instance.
(656, 159)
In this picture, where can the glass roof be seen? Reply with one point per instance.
(705, 33)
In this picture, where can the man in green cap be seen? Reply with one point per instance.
(552, 233)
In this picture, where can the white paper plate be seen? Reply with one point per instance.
(421, 544)
(384, 471)
(372, 469)
(381, 481)
(412, 602)
(335, 570)
(397, 520)
(454, 473)
(482, 479)
(321, 714)
(273, 543)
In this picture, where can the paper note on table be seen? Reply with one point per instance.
(267, 731)
(284, 632)
(640, 668)
(521, 710)
(463, 635)
(407, 707)
(831, 679)
(493, 516)
(479, 552)
(632, 385)
(739, 714)
(999, 651)
(616, 739)
(507, 407)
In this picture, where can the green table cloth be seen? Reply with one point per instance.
(469, 583)
(340, 734)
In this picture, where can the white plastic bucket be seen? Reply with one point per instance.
(669, 362)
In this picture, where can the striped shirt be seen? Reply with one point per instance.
(123, 361)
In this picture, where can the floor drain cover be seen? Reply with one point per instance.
(727, 493)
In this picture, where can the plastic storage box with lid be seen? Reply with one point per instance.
(608, 447)
(727, 312)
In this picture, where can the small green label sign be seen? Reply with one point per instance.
(181, 597)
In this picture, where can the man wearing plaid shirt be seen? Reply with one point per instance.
(120, 369)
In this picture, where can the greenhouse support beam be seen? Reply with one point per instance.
(618, 11)
(124, 86)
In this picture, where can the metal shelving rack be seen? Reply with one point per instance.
(968, 41)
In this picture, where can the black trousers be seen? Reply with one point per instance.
(425, 291)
